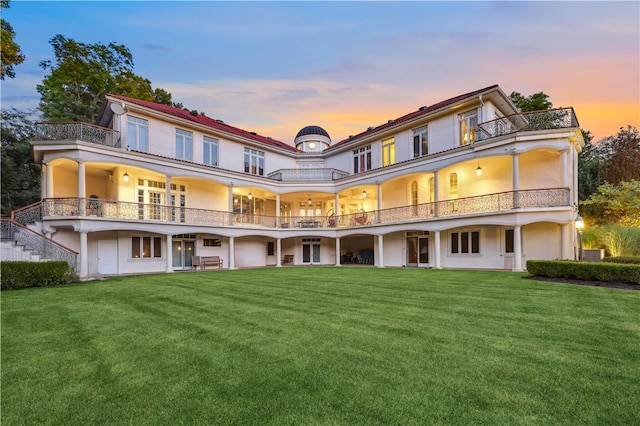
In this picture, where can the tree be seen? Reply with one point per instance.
(621, 156)
(10, 52)
(536, 102)
(20, 176)
(615, 204)
(590, 166)
(82, 74)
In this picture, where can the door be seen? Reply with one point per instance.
(418, 249)
(182, 252)
(311, 250)
(107, 257)
(423, 251)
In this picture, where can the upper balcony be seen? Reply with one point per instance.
(559, 118)
(78, 131)
(307, 175)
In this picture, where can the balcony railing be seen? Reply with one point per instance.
(38, 244)
(491, 203)
(307, 175)
(559, 118)
(78, 131)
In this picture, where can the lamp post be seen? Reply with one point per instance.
(579, 227)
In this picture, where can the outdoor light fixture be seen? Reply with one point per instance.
(250, 196)
(579, 227)
(364, 194)
(478, 170)
(125, 177)
(309, 201)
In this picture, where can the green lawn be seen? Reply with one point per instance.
(321, 346)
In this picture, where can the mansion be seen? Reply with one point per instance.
(468, 182)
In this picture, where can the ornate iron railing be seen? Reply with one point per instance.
(38, 244)
(28, 214)
(307, 175)
(78, 131)
(497, 202)
(559, 118)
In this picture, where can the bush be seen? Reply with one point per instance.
(629, 260)
(586, 271)
(615, 239)
(35, 274)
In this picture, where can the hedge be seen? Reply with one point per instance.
(632, 260)
(586, 271)
(35, 274)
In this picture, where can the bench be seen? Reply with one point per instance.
(287, 259)
(204, 261)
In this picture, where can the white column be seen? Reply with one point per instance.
(169, 253)
(168, 196)
(379, 204)
(278, 216)
(230, 210)
(82, 188)
(380, 251)
(84, 255)
(336, 210)
(338, 251)
(436, 246)
(565, 168)
(566, 247)
(232, 249)
(279, 253)
(516, 180)
(48, 181)
(517, 248)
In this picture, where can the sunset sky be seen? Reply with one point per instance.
(275, 67)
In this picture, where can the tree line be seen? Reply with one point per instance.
(80, 75)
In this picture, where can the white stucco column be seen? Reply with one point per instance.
(516, 179)
(380, 251)
(84, 256)
(379, 203)
(82, 188)
(169, 253)
(566, 246)
(278, 216)
(47, 188)
(232, 249)
(230, 209)
(436, 247)
(517, 248)
(338, 252)
(279, 253)
(168, 197)
(336, 210)
(564, 155)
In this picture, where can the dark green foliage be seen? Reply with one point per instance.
(586, 271)
(629, 260)
(10, 52)
(20, 175)
(17, 275)
(536, 102)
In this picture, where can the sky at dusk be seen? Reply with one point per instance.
(275, 67)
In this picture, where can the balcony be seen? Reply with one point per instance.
(56, 208)
(307, 175)
(78, 131)
(560, 118)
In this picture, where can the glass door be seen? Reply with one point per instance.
(182, 254)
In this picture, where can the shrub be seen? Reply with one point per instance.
(586, 271)
(629, 260)
(615, 239)
(35, 274)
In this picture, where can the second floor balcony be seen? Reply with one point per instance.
(93, 208)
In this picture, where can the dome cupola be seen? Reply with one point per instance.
(312, 139)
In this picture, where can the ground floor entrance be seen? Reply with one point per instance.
(418, 249)
(182, 251)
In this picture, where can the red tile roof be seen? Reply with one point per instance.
(414, 114)
(206, 121)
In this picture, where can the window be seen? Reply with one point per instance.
(254, 161)
(212, 242)
(271, 251)
(146, 247)
(388, 152)
(420, 146)
(508, 241)
(468, 124)
(465, 242)
(453, 190)
(137, 134)
(184, 145)
(362, 159)
(210, 151)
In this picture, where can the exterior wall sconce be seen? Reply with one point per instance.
(125, 177)
(364, 194)
(250, 196)
(478, 170)
(309, 201)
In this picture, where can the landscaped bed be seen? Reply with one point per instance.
(321, 346)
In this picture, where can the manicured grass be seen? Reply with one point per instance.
(330, 346)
